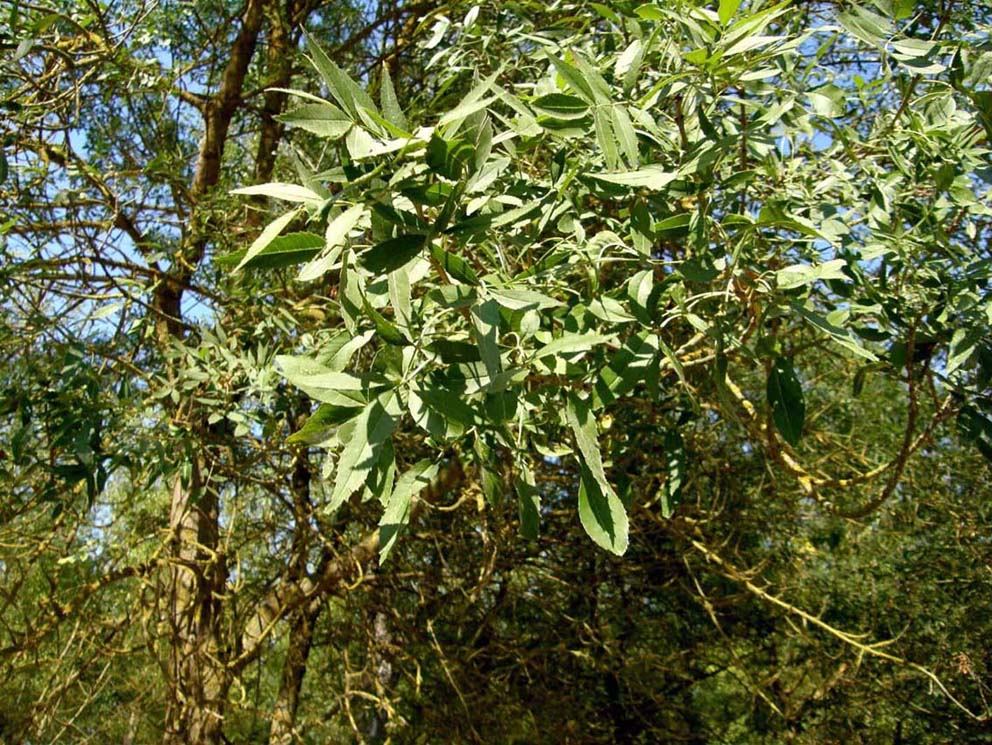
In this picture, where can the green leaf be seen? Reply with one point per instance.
(600, 88)
(473, 102)
(604, 136)
(515, 299)
(441, 412)
(600, 510)
(650, 177)
(574, 79)
(454, 265)
(975, 428)
(391, 254)
(285, 250)
(485, 322)
(828, 100)
(963, 345)
(453, 296)
(400, 297)
(569, 343)
(322, 423)
(529, 504)
(628, 62)
(626, 135)
(448, 158)
(748, 43)
(609, 310)
(397, 515)
(453, 351)
(727, 9)
(841, 336)
(865, 25)
(372, 428)
(561, 106)
(322, 119)
(785, 396)
(266, 237)
(698, 269)
(804, 274)
(628, 366)
(345, 90)
(285, 192)
(335, 236)
(677, 224)
(324, 384)
(675, 465)
(387, 99)
(384, 328)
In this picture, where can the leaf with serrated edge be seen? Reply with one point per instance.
(397, 515)
(266, 237)
(390, 105)
(372, 427)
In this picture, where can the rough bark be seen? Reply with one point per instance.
(199, 676)
(382, 665)
(283, 730)
(197, 576)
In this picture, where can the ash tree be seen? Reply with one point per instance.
(422, 371)
(692, 213)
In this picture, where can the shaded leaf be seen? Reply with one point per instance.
(397, 515)
(391, 254)
(372, 427)
(600, 510)
(785, 396)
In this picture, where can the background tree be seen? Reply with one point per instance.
(716, 276)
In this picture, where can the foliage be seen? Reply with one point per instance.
(529, 260)
(514, 372)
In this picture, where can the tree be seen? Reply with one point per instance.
(714, 282)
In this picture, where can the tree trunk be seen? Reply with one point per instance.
(198, 676)
(283, 730)
(383, 671)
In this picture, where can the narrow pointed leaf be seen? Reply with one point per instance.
(285, 192)
(529, 504)
(323, 119)
(372, 427)
(397, 515)
(485, 321)
(390, 104)
(600, 510)
(675, 465)
(785, 396)
(266, 237)
(391, 254)
(282, 251)
(347, 92)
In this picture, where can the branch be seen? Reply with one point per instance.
(334, 577)
(810, 484)
(873, 649)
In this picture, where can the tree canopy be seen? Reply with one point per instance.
(517, 372)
